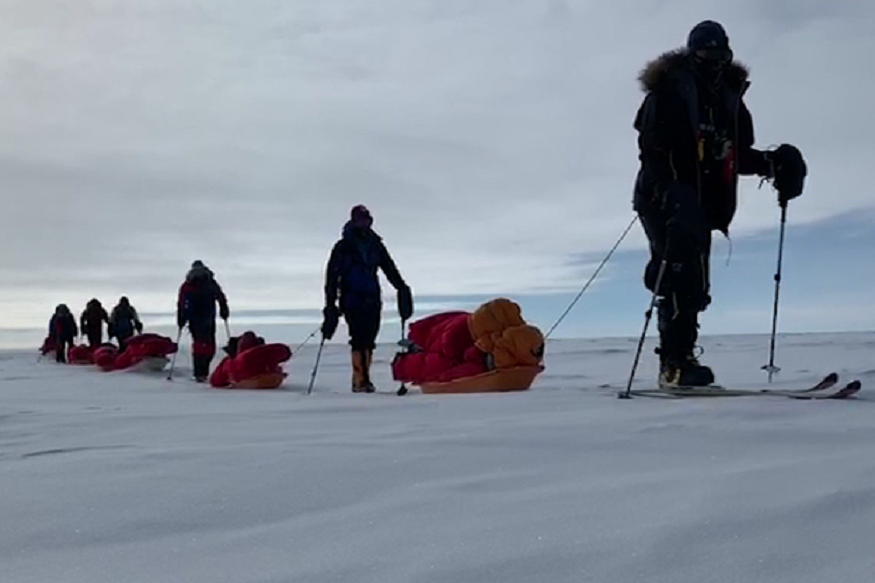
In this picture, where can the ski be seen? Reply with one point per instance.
(848, 390)
(828, 382)
(811, 393)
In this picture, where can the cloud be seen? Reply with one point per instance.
(493, 140)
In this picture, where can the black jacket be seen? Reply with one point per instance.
(62, 328)
(124, 321)
(198, 296)
(92, 319)
(670, 140)
(352, 270)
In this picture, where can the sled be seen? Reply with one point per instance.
(80, 355)
(268, 380)
(150, 364)
(501, 380)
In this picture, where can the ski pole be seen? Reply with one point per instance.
(316, 367)
(304, 343)
(771, 368)
(402, 390)
(227, 329)
(173, 360)
(647, 316)
(591, 279)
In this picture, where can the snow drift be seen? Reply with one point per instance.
(116, 477)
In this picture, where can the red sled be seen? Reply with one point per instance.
(258, 367)
(81, 354)
(143, 353)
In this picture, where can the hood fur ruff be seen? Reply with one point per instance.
(664, 67)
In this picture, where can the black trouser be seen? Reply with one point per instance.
(123, 340)
(364, 326)
(683, 238)
(61, 348)
(95, 338)
(203, 335)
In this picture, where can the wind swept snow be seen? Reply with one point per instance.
(126, 477)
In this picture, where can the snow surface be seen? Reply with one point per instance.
(123, 477)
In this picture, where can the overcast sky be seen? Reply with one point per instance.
(492, 140)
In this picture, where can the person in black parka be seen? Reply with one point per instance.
(196, 306)
(91, 322)
(62, 331)
(352, 280)
(695, 136)
(124, 322)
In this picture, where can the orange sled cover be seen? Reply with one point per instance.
(499, 380)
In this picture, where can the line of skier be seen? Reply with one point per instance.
(122, 323)
(695, 138)
(352, 292)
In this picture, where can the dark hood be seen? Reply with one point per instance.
(665, 68)
(199, 273)
(349, 233)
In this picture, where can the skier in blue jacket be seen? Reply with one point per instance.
(352, 290)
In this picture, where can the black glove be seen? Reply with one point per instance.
(224, 312)
(109, 332)
(331, 318)
(790, 171)
(180, 322)
(139, 327)
(405, 303)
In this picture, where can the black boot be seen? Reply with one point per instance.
(686, 372)
(201, 368)
(678, 332)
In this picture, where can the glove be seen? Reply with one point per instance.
(180, 322)
(138, 327)
(110, 333)
(331, 318)
(224, 313)
(405, 303)
(790, 171)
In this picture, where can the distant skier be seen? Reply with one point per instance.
(351, 277)
(124, 322)
(62, 331)
(91, 322)
(695, 138)
(196, 306)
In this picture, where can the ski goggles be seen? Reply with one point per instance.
(717, 56)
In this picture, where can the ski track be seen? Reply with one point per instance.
(128, 477)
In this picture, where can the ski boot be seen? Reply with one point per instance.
(684, 372)
(361, 383)
(369, 360)
(201, 366)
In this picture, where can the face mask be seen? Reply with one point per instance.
(362, 223)
(714, 59)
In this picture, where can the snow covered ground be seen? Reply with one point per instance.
(123, 477)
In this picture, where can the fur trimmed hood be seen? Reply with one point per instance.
(667, 65)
